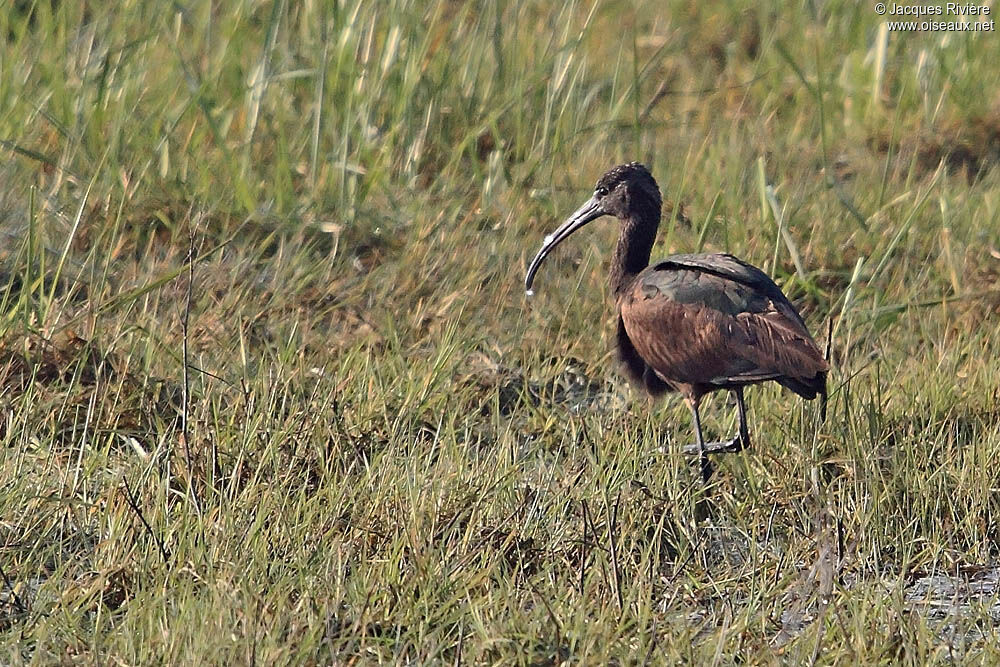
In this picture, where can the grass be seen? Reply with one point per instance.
(272, 392)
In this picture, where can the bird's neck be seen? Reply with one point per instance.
(638, 233)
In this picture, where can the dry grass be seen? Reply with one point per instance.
(385, 453)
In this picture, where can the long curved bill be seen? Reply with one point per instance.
(590, 211)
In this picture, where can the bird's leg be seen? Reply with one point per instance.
(737, 443)
(741, 409)
(706, 466)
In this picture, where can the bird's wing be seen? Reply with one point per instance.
(734, 269)
(712, 319)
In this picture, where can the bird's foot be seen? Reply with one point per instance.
(731, 446)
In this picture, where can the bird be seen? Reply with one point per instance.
(692, 323)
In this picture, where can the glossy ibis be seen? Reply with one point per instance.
(693, 323)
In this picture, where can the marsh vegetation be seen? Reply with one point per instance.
(271, 391)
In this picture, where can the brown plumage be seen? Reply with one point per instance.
(693, 323)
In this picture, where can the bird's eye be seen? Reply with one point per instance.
(600, 191)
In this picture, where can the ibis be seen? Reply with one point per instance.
(696, 323)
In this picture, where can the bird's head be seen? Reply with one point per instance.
(625, 192)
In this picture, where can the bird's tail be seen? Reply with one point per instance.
(807, 388)
(810, 388)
